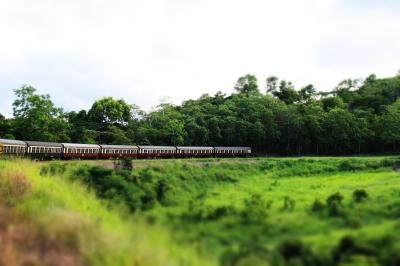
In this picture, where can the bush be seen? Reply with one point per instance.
(288, 203)
(255, 209)
(359, 195)
(295, 252)
(348, 247)
(53, 168)
(197, 212)
(317, 206)
(334, 203)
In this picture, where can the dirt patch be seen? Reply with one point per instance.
(24, 243)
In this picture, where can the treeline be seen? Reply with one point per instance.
(358, 116)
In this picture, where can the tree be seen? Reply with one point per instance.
(114, 135)
(272, 84)
(389, 125)
(175, 132)
(247, 84)
(5, 128)
(338, 129)
(345, 89)
(307, 93)
(332, 102)
(108, 111)
(37, 118)
(286, 93)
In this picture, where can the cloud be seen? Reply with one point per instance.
(79, 51)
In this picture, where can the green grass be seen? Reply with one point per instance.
(103, 234)
(256, 211)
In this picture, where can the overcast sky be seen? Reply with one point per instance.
(143, 51)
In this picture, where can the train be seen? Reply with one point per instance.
(51, 150)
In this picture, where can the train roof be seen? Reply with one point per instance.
(119, 147)
(158, 147)
(12, 142)
(194, 148)
(81, 146)
(232, 148)
(44, 144)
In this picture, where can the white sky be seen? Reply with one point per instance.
(142, 51)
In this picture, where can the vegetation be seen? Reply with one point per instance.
(307, 211)
(48, 220)
(358, 116)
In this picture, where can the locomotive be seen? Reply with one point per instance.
(52, 150)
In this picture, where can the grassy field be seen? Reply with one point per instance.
(257, 211)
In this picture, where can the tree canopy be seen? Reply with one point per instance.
(357, 116)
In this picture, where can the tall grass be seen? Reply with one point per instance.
(101, 233)
(263, 211)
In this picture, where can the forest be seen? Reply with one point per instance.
(359, 116)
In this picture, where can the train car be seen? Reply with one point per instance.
(232, 151)
(187, 151)
(118, 151)
(44, 150)
(157, 151)
(12, 147)
(80, 151)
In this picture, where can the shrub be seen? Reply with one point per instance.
(197, 212)
(295, 252)
(348, 247)
(288, 203)
(53, 168)
(255, 209)
(317, 206)
(359, 195)
(334, 203)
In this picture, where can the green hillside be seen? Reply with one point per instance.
(259, 211)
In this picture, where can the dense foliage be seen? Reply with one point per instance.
(358, 116)
(310, 211)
